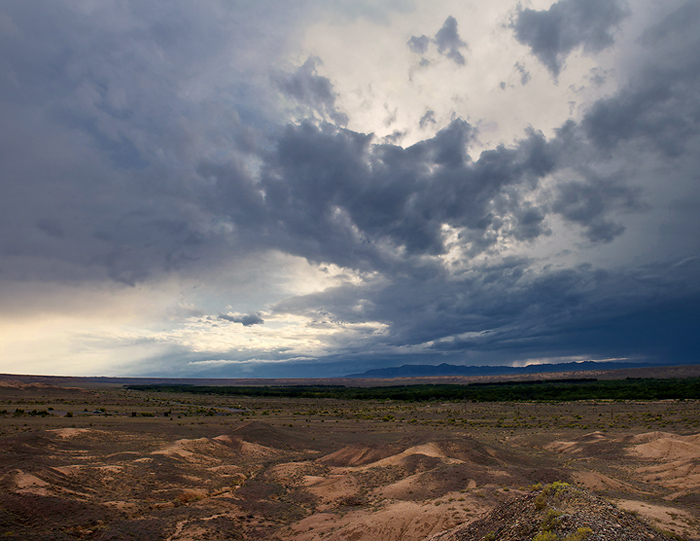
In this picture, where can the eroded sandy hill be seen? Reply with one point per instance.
(257, 481)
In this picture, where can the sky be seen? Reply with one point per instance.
(322, 187)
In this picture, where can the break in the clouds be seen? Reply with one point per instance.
(277, 189)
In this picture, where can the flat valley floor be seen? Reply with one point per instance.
(109, 463)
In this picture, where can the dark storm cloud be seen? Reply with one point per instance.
(496, 314)
(531, 222)
(447, 40)
(449, 43)
(341, 199)
(52, 227)
(308, 87)
(524, 74)
(334, 195)
(682, 20)
(313, 90)
(419, 44)
(95, 184)
(590, 202)
(247, 320)
(327, 194)
(427, 119)
(516, 310)
(661, 104)
(566, 25)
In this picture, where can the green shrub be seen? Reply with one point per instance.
(549, 519)
(579, 535)
(541, 500)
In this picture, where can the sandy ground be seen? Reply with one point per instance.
(324, 470)
(672, 519)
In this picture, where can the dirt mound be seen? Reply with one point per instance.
(599, 482)
(69, 432)
(330, 488)
(596, 444)
(272, 436)
(438, 481)
(360, 454)
(198, 448)
(582, 445)
(397, 521)
(663, 446)
(403, 453)
(468, 449)
(556, 512)
(671, 462)
(419, 463)
(426, 450)
(649, 436)
(45, 517)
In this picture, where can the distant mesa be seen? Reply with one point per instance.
(427, 371)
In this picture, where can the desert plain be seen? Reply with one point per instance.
(81, 459)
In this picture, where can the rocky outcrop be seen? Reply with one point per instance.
(556, 512)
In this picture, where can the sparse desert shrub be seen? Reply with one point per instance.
(579, 535)
(549, 490)
(545, 536)
(188, 496)
(541, 501)
(354, 500)
(549, 519)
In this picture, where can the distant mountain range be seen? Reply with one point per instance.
(426, 370)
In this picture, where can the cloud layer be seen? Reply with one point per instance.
(191, 185)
